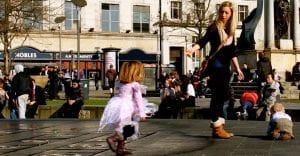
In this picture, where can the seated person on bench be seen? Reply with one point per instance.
(72, 107)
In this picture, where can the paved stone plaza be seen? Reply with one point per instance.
(159, 137)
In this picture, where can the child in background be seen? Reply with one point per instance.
(280, 125)
(123, 111)
(248, 100)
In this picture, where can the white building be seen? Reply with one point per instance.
(157, 27)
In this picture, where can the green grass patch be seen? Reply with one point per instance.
(92, 102)
(291, 101)
(98, 102)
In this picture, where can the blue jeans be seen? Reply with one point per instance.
(246, 105)
(13, 114)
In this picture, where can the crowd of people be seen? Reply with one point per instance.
(176, 93)
(21, 93)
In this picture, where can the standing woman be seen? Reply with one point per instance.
(220, 34)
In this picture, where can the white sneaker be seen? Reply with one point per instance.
(245, 115)
(238, 114)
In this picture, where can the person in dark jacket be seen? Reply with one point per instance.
(111, 75)
(264, 67)
(37, 97)
(21, 89)
(72, 107)
(220, 35)
(247, 73)
(53, 83)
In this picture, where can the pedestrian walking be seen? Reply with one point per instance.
(220, 34)
(21, 89)
(111, 75)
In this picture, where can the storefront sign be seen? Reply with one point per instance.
(28, 53)
(69, 56)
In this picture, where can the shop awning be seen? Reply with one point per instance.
(137, 54)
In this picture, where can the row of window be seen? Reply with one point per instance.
(110, 15)
(199, 10)
(110, 21)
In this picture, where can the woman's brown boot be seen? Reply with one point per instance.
(218, 130)
(113, 140)
(222, 120)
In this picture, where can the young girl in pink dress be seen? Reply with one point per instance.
(124, 110)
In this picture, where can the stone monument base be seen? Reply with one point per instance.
(286, 44)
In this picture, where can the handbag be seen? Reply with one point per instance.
(204, 70)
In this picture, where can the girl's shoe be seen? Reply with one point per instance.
(113, 140)
(121, 150)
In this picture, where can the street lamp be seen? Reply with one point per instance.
(59, 20)
(79, 4)
(72, 64)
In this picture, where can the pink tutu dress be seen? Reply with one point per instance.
(124, 109)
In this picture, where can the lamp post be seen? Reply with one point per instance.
(79, 4)
(72, 64)
(59, 20)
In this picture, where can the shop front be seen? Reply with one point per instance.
(33, 60)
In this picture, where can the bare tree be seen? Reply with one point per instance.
(201, 17)
(194, 18)
(17, 19)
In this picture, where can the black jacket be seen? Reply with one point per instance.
(21, 84)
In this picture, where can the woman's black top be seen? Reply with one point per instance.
(222, 60)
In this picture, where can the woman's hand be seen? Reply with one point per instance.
(192, 50)
(189, 53)
(240, 75)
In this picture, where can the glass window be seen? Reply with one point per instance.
(33, 15)
(110, 20)
(243, 12)
(217, 7)
(199, 10)
(141, 18)
(71, 16)
(2, 10)
(299, 15)
(176, 10)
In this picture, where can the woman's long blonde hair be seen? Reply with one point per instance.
(132, 72)
(231, 24)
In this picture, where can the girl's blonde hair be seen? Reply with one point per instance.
(231, 24)
(132, 72)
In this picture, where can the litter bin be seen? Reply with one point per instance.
(85, 85)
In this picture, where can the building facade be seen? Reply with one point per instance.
(159, 29)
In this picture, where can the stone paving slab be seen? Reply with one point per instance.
(159, 137)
